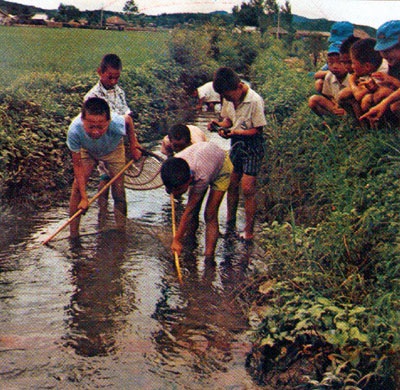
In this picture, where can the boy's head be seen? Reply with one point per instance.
(109, 70)
(388, 41)
(176, 175)
(334, 61)
(96, 117)
(345, 52)
(340, 31)
(179, 136)
(228, 84)
(364, 59)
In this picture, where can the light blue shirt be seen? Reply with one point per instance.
(78, 139)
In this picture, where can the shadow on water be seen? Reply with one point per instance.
(109, 311)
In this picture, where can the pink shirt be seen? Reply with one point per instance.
(205, 160)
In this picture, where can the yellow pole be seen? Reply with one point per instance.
(176, 256)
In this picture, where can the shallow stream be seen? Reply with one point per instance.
(111, 312)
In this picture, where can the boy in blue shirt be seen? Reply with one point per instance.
(93, 136)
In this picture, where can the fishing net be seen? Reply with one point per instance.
(145, 173)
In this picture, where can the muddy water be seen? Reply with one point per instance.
(111, 313)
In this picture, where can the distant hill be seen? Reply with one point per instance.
(299, 22)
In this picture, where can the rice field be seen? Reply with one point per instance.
(29, 50)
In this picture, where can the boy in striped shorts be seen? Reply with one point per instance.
(242, 121)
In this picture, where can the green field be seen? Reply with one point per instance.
(74, 51)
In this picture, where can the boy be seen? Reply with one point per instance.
(388, 45)
(334, 81)
(208, 96)
(96, 135)
(179, 137)
(108, 89)
(243, 118)
(198, 167)
(340, 32)
(363, 91)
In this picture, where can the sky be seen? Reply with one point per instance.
(371, 13)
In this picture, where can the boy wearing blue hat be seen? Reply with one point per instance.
(334, 81)
(340, 32)
(388, 45)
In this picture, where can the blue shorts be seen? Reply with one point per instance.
(245, 160)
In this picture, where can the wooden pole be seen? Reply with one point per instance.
(80, 211)
(176, 256)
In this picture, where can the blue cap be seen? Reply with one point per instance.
(387, 35)
(334, 48)
(341, 31)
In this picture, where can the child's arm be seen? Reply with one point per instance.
(80, 179)
(320, 74)
(376, 112)
(247, 132)
(133, 142)
(385, 79)
(194, 199)
(225, 122)
(359, 90)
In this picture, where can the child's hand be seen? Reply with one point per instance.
(83, 204)
(224, 133)
(136, 152)
(213, 126)
(176, 246)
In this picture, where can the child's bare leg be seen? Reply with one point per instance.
(211, 218)
(233, 200)
(75, 199)
(250, 205)
(120, 206)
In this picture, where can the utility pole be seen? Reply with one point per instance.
(279, 24)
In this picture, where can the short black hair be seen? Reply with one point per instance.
(175, 172)
(364, 52)
(112, 61)
(225, 79)
(179, 132)
(347, 43)
(96, 106)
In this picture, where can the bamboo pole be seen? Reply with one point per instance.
(176, 256)
(80, 211)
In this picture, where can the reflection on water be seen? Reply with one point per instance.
(98, 303)
(110, 311)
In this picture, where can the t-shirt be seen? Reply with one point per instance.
(208, 93)
(78, 139)
(205, 160)
(115, 97)
(247, 115)
(332, 86)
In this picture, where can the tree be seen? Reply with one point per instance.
(65, 13)
(130, 9)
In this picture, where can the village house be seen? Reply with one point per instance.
(5, 18)
(116, 23)
(40, 19)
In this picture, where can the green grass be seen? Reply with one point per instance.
(26, 50)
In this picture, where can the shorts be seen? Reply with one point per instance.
(247, 161)
(222, 181)
(114, 162)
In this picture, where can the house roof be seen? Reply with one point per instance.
(40, 17)
(116, 20)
